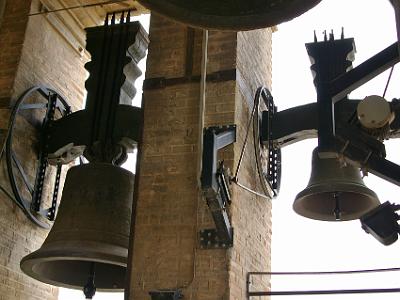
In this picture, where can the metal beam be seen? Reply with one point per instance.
(344, 84)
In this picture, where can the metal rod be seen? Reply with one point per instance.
(247, 136)
(21, 172)
(388, 81)
(323, 292)
(250, 190)
(76, 7)
(369, 69)
(396, 269)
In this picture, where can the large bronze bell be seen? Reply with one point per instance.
(231, 14)
(334, 192)
(90, 236)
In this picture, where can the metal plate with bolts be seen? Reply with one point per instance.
(209, 240)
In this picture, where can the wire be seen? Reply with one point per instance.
(388, 81)
(249, 189)
(245, 141)
(78, 6)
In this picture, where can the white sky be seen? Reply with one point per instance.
(300, 244)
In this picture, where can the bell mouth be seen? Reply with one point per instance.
(344, 203)
(73, 270)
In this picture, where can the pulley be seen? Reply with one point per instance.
(90, 235)
(334, 192)
(231, 14)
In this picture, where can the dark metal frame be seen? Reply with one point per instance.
(33, 207)
(270, 176)
(214, 184)
(103, 124)
(336, 136)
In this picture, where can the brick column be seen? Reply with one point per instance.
(171, 209)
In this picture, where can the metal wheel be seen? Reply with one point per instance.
(32, 113)
(268, 156)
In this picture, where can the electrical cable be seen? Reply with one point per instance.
(78, 6)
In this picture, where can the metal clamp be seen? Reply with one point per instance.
(213, 180)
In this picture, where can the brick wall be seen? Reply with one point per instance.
(170, 209)
(32, 51)
(251, 215)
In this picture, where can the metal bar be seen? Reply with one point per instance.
(162, 82)
(214, 141)
(21, 172)
(396, 7)
(33, 106)
(397, 269)
(216, 138)
(209, 165)
(41, 169)
(129, 267)
(326, 121)
(344, 84)
(51, 214)
(250, 190)
(225, 138)
(323, 292)
(384, 169)
(189, 51)
(223, 225)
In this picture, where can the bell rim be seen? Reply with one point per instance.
(230, 23)
(28, 263)
(342, 187)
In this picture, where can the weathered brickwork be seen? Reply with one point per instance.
(170, 209)
(12, 33)
(32, 52)
(251, 215)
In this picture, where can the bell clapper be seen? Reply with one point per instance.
(337, 211)
(90, 288)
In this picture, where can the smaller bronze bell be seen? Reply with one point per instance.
(334, 192)
(90, 237)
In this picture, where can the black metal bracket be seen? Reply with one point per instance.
(209, 239)
(214, 183)
(166, 295)
(28, 195)
(269, 164)
(109, 126)
(331, 118)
